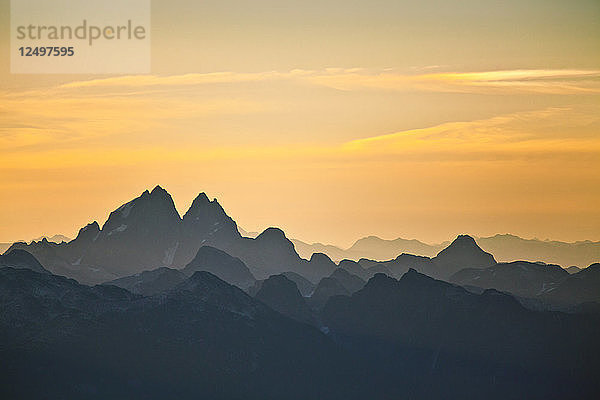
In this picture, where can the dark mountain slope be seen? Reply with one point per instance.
(417, 331)
(152, 282)
(521, 278)
(282, 295)
(18, 259)
(204, 224)
(305, 286)
(204, 339)
(221, 264)
(327, 288)
(356, 269)
(582, 287)
(351, 283)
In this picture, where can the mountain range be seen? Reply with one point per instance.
(187, 307)
(147, 233)
(504, 247)
(201, 337)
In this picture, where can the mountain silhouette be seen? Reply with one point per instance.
(203, 339)
(149, 224)
(573, 269)
(350, 282)
(327, 288)
(318, 267)
(204, 224)
(462, 253)
(147, 232)
(282, 295)
(575, 289)
(53, 238)
(221, 264)
(418, 330)
(305, 286)
(20, 259)
(505, 248)
(374, 247)
(370, 247)
(356, 269)
(520, 278)
(148, 283)
(510, 247)
(401, 264)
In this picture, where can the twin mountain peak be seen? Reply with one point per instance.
(148, 232)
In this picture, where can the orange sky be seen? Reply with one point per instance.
(384, 133)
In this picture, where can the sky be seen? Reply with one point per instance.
(330, 119)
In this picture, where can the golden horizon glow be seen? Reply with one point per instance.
(422, 121)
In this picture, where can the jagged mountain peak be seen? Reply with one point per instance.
(463, 252)
(209, 218)
(202, 203)
(464, 240)
(158, 190)
(88, 232)
(147, 205)
(93, 226)
(463, 243)
(202, 198)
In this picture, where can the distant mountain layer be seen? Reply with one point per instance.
(147, 233)
(462, 253)
(504, 248)
(511, 248)
(521, 278)
(54, 239)
(370, 247)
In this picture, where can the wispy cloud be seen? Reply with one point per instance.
(546, 133)
(178, 111)
(561, 81)
(498, 82)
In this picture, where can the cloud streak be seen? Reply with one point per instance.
(547, 133)
(561, 81)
